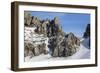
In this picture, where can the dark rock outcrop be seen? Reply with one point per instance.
(87, 31)
(86, 36)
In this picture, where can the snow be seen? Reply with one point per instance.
(32, 37)
(82, 53)
(85, 42)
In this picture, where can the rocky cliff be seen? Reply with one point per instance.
(49, 36)
(87, 31)
(86, 36)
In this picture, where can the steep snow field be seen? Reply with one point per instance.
(85, 42)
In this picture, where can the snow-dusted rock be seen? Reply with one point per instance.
(35, 44)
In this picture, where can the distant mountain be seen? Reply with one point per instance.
(86, 36)
(87, 31)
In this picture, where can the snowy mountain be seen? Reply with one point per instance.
(45, 40)
(82, 51)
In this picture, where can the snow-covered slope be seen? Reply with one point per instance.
(86, 42)
(82, 53)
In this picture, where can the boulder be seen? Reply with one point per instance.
(30, 50)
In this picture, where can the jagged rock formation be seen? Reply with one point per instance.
(34, 44)
(34, 50)
(86, 36)
(41, 35)
(46, 27)
(27, 19)
(72, 43)
(87, 31)
(64, 46)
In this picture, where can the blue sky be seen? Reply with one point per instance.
(70, 22)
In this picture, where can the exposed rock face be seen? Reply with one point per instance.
(35, 21)
(72, 43)
(56, 21)
(47, 27)
(44, 27)
(34, 50)
(34, 44)
(86, 41)
(31, 50)
(60, 44)
(87, 31)
(65, 46)
(27, 19)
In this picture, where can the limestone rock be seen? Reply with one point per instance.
(72, 43)
(27, 19)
